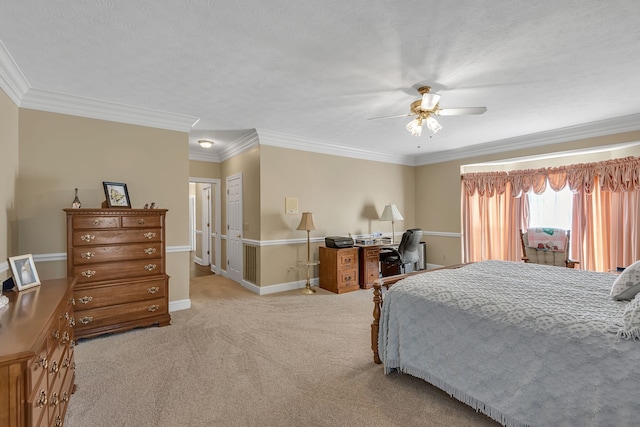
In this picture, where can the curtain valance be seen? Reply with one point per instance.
(614, 175)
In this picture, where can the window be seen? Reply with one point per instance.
(551, 209)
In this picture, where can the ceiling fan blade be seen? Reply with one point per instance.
(391, 117)
(460, 111)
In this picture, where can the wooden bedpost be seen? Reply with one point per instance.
(375, 326)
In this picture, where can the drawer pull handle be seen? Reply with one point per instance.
(96, 222)
(87, 237)
(85, 300)
(153, 308)
(65, 396)
(66, 362)
(56, 334)
(141, 221)
(72, 322)
(54, 368)
(72, 344)
(150, 251)
(72, 301)
(150, 267)
(87, 255)
(85, 320)
(42, 362)
(88, 273)
(153, 290)
(150, 235)
(54, 399)
(65, 337)
(42, 399)
(66, 316)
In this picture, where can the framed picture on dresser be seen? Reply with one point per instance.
(117, 194)
(24, 271)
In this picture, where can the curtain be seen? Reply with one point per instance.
(491, 225)
(605, 225)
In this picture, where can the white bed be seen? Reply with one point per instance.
(525, 344)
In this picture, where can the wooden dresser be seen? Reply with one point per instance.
(118, 257)
(338, 269)
(37, 368)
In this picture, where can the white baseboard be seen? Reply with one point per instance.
(183, 304)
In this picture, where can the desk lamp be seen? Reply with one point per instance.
(307, 223)
(391, 213)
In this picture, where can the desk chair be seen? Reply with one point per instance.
(544, 255)
(406, 257)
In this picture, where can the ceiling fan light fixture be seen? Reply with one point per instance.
(415, 126)
(205, 143)
(433, 124)
(429, 101)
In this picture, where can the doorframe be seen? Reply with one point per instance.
(215, 264)
(207, 222)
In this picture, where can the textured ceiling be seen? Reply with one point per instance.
(317, 70)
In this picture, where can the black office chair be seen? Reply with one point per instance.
(405, 258)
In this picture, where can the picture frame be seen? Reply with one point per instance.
(24, 271)
(117, 194)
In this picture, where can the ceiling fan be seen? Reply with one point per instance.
(428, 106)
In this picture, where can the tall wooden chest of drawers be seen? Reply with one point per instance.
(118, 257)
(338, 269)
(37, 367)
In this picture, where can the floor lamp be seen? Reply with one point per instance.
(391, 213)
(307, 223)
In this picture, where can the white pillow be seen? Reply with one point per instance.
(629, 328)
(627, 285)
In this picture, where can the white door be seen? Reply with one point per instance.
(234, 227)
(206, 225)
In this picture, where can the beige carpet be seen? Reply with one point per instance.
(239, 359)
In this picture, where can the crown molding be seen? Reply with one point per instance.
(572, 133)
(12, 81)
(55, 102)
(17, 87)
(294, 142)
(240, 145)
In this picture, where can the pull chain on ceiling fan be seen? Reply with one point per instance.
(428, 106)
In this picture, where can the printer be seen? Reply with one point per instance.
(338, 242)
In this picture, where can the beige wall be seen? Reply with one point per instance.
(438, 207)
(199, 169)
(8, 177)
(345, 195)
(248, 164)
(58, 153)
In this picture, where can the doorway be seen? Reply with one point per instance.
(205, 226)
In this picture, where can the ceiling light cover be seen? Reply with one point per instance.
(429, 101)
(433, 124)
(205, 143)
(415, 126)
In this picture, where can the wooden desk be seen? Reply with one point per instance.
(369, 263)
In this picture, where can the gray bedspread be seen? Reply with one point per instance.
(526, 344)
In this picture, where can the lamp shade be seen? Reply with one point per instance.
(307, 222)
(391, 213)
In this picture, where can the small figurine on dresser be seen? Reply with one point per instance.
(76, 202)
